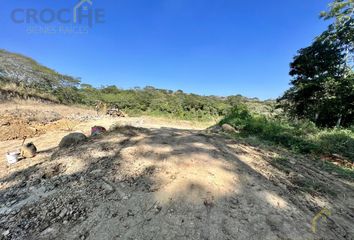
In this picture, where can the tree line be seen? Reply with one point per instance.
(322, 88)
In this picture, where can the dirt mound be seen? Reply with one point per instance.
(21, 119)
(15, 124)
(72, 139)
(28, 123)
(37, 116)
(13, 127)
(170, 184)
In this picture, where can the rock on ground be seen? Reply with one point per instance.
(72, 139)
(228, 128)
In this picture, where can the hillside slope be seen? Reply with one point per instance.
(24, 78)
(24, 71)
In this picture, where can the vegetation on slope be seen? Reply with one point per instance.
(26, 78)
(301, 136)
(169, 103)
(318, 110)
(330, 149)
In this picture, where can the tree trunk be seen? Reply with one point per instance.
(316, 117)
(339, 121)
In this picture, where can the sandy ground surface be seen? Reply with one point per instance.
(167, 180)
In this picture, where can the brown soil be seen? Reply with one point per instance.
(161, 182)
(19, 120)
(17, 128)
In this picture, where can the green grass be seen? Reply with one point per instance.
(343, 172)
(338, 141)
(301, 136)
(298, 137)
(311, 186)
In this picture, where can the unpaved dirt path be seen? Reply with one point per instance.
(48, 142)
(168, 183)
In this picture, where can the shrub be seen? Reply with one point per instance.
(339, 141)
(239, 117)
(301, 136)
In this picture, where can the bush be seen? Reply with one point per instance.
(301, 136)
(238, 117)
(339, 141)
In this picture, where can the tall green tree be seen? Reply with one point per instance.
(315, 71)
(322, 88)
(342, 29)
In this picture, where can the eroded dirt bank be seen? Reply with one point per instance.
(167, 183)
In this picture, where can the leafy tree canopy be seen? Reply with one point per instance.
(322, 87)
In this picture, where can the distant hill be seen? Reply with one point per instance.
(25, 71)
(23, 77)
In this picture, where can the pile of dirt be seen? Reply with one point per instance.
(135, 183)
(16, 124)
(17, 127)
(36, 116)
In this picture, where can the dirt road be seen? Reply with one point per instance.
(168, 183)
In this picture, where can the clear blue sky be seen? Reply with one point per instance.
(209, 47)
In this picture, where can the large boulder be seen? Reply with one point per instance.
(228, 128)
(72, 139)
(28, 150)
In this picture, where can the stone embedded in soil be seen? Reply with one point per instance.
(275, 221)
(6, 233)
(48, 231)
(228, 128)
(97, 172)
(72, 139)
(63, 213)
(107, 187)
